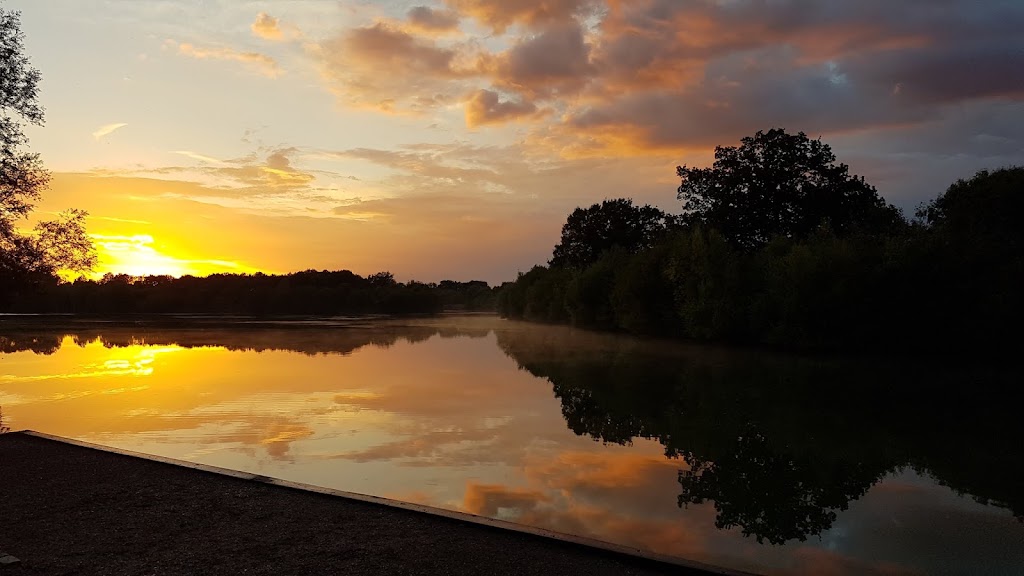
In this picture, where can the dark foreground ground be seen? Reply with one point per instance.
(71, 510)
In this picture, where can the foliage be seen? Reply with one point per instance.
(778, 184)
(590, 232)
(984, 210)
(26, 260)
(537, 295)
(826, 292)
(973, 245)
(782, 247)
(302, 293)
(474, 295)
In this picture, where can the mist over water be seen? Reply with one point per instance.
(740, 458)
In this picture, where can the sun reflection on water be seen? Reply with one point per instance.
(445, 419)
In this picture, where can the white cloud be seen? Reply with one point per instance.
(106, 130)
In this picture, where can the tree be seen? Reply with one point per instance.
(589, 232)
(26, 259)
(381, 279)
(981, 213)
(22, 175)
(779, 184)
(974, 247)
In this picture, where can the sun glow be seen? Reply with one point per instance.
(140, 255)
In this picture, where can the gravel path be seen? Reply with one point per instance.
(71, 510)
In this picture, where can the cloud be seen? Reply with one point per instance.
(486, 107)
(427, 20)
(677, 77)
(386, 67)
(106, 130)
(553, 62)
(281, 434)
(266, 27)
(263, 170)
(499, 15)
(269, 28)
(671, 75)
(262, 63)
(199, 157)
(488, 499)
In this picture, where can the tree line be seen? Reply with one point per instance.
(309, 292)
(779, 245)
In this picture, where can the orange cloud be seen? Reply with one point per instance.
(427, 20)
(487, 499)
(281, 434)
(554, 62)
(501, 14)
(267, 27)
(270, 28)
(669, 77)
(486, 107)
(386, 67)
(275, 171)
(264, 64)
(264, 171)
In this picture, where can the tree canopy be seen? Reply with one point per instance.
(983, 211)
(589, 232)
(54, 245)
(778, 184)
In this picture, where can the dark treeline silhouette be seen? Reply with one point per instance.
(781, 444)
(312, 338)
(301, 293)
(778, 245)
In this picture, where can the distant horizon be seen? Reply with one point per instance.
(98, 276)
(449, 139)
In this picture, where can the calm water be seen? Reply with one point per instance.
(743, 459)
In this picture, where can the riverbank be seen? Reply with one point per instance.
(68, 509)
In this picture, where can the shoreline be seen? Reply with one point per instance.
(71, 506)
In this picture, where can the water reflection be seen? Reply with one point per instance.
(781, 444)
(699, 452)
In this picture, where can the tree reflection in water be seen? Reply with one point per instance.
(779, 444)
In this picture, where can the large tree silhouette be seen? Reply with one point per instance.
(973, 245)
(981, 214)
(779, 184)
(26, 259)
(589, 232)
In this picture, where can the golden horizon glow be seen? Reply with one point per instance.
(449, 139)
(141, 255)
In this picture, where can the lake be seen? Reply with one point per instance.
(740, 458)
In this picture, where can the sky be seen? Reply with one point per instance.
(450, 139)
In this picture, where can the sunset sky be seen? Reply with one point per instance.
(450, 139)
